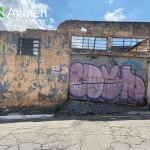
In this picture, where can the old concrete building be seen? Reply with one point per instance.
(88, 60)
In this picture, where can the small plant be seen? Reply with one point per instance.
(57, 108)
(19, 109)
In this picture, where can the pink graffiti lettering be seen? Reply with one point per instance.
(95, 83)
(78, 75)
(133, 86)
(112, 83)
(96, 80)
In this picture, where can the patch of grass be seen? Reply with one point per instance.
(19, 109)
(57, 108)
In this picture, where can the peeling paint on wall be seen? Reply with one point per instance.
(25, 79)
(6, 48)
(31, 80)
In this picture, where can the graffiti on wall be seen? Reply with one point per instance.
(5, 48)
(132, 63)
(49, 77)
(98, 82)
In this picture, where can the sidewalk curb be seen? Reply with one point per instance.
(138, 113)
(20, 116)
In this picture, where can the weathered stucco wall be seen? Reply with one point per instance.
(27, 80)
(107, 29)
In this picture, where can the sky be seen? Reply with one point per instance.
(48, 14)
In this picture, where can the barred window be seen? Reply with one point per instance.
(29, 46)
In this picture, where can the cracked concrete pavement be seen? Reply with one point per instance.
(77, 133)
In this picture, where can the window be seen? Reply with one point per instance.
(126, 44)
(96, 43)
(29, 46)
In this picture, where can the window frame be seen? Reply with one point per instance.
(29, 53)
(96, 41)
(123, 42)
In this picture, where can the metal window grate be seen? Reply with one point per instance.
(129, 44)
(29, 46)
(96, 43)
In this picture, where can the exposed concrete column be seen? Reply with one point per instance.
(148, 84)
(109, 39)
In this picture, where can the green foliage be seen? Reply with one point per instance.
(19, 109)
(57, 108)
